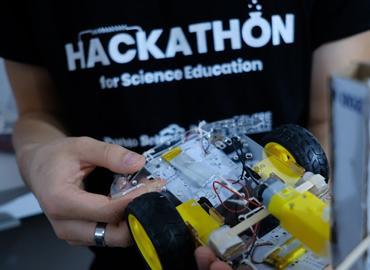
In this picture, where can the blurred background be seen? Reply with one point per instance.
(27, 241)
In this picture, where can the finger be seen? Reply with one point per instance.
(207, 260)
(118, 235)
(110, 156)
(152, 185)
(79, 204)
(220, 265)
(81, 233)
(205, 257)
(76, 243)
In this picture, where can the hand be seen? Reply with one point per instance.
(207, 260)
(55, 173)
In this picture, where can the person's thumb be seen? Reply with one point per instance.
(110, 156)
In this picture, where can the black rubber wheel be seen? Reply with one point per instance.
(303, 146)
(171, 238)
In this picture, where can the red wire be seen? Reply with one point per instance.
(254, 203)
(246, 190)
(223, 204)
(226, 187)
(254, 237)
(256, 226)
(229, 189)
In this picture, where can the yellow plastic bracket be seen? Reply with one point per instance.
(279, 161)
(192, 213)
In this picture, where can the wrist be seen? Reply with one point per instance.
(24, 156)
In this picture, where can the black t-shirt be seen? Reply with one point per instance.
(124, 70)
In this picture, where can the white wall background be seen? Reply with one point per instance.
(10, 178)
(9, 175)
(8, 113)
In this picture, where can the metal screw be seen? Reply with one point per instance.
(248, 155)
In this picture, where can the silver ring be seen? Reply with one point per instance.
(99, 234)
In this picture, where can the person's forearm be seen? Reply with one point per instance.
(37, 104)
(36, 128)
(31, 130)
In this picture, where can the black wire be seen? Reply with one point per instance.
(238, 148)
(240, 155)
(252, 246)
(250, 174)
(254, 249)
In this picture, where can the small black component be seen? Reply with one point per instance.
(205, 203)
(228, 149)
(258, 191)
(228, 141)
(248, 156)
(236, 142)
